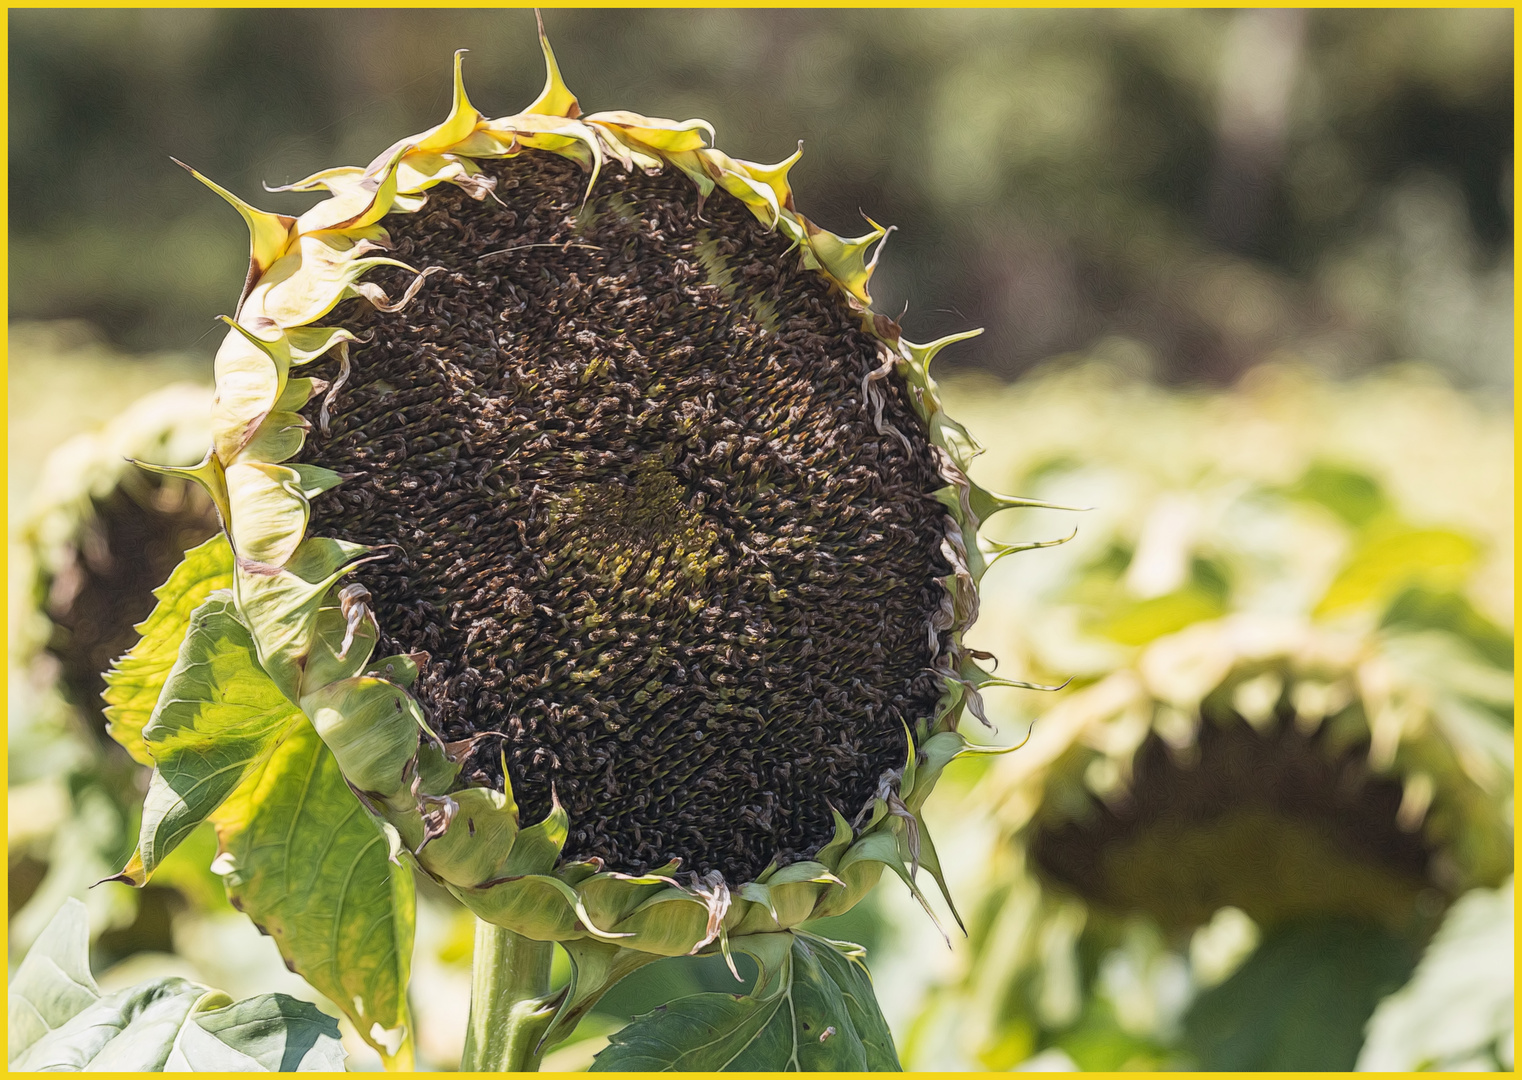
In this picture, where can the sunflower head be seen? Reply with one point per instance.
(617, 550)
(1284, 771)
(1290, 751)
(103, 533)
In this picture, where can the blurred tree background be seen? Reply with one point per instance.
(1247, 284)
(1206, 186)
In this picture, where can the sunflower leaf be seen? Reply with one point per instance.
(269, 1033)
(134, 682)
(59, 1020)
(818, 1014)
(1301, 1001)
(305, 861)
(217, 719)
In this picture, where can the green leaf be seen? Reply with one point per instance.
(53, 982)
(845, 965)
(268, 1033)
(134, 682)
(218, 718)
(1352, 495)
(816, 1013)
(1419, 609)
(305, 861)
(129, 1031)
(1458, 1012)
(60, 1021)
(1301, 1001)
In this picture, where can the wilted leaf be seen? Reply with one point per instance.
(309, 865)
(61, 1022)
(815, 1013)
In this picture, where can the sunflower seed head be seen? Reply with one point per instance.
(646, 522)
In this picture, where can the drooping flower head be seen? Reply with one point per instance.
(1292, 747)
(102, 533)
(1254, 797)
(617, 550)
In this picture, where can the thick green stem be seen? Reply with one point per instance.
(509, 1001)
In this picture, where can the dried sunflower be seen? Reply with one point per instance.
(618, 552)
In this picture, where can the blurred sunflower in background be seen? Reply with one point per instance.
(1288, 748)
(98, 536)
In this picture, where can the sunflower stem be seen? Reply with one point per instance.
(509, 1001)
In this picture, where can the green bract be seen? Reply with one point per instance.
(295, 640)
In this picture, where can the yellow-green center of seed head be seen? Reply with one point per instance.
(642, 534)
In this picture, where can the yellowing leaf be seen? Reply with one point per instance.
(1389, 561)
(134, 681)
(217, 719)
(1146, 620)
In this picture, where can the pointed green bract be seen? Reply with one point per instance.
(555, 99)
(462, 120)
(478, 841)
(670, 923)
(281, 604)
(209, 476)
(612, 897)
(269, 234)
(535, 906)
(372, 726)
(537, 848)
(844, 259)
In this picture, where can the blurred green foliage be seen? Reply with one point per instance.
(1324, 569)
(1459, 1010)
(1208, 186)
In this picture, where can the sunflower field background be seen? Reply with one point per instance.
(1247, 283)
